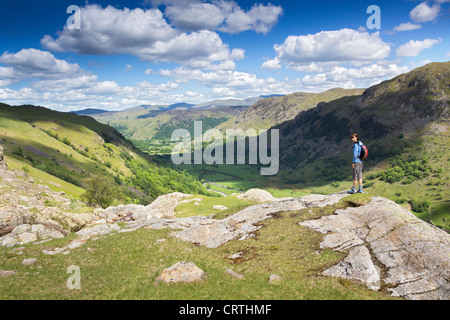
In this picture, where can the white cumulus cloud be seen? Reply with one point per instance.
(226, 16)
(423, 12)
(142, 33)
(413, 48)
(271, 64)
(349, 78)
(345, 45)
(407, 27)
(259, 18)
(34, 63)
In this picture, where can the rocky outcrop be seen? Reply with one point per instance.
(26, 233)
(25, 214)
(415, 256)
(256, 195)
(259, 195)
(11, 217)
(3, 164)
(358, 265)
(242, 225)
(31, 210)
(162, 207)
(97, 230)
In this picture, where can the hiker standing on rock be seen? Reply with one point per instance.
(357, 164)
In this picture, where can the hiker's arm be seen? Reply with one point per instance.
(355, 153)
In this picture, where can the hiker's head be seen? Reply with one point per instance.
(354, 137)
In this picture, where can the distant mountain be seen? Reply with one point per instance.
(272, 95)
(228, 103)
(143, 122)
(181, 105)
(89, 111)
(277, 109)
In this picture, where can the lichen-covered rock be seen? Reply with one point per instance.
(242, 224)
(11, 217)
(258, 195)
(29, 262)
(26, 233)
(239, 225)
(7, 273)
(219, 207)
(97, 230)
(164, 206)
(358, 265)
(181, 272)
(415, 254)
(320, 200)
(3, 164)
(274, 279)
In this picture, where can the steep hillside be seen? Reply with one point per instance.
(276, 110)
(403, 121)
(66, 149)
(405, 106)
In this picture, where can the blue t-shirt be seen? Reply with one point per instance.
(356, 152)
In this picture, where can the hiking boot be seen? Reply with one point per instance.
(360, 190)
(352, 190)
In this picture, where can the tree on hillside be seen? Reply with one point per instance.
(99, 191)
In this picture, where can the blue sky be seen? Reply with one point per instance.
(128, 53)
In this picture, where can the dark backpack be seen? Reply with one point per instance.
(364, 151)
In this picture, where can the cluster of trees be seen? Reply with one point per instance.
(406, 171)
(158, 180)
(420, 206)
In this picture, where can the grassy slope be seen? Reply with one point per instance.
(94, 149)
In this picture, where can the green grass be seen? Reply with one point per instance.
(126, 265)
(228, 192)
(205, 207)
